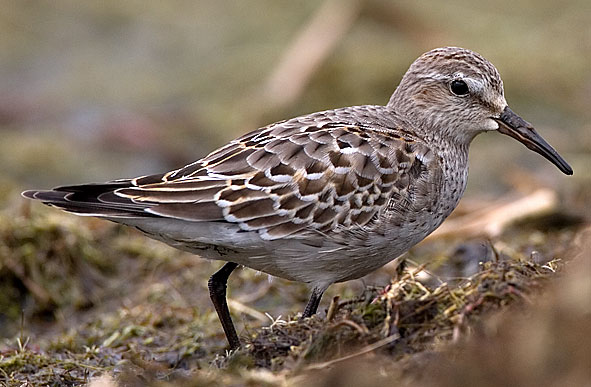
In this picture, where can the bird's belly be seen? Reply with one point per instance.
(319, 259)
(316, 259)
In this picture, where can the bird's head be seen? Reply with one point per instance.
(456, 93)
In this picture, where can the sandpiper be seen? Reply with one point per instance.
(325, 197)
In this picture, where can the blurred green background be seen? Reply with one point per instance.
(94, 91)
(103, 90)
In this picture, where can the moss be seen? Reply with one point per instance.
(423, 317)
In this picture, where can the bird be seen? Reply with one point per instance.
(325, 197)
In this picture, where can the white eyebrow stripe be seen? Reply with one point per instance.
(433, 75)
(474, 84)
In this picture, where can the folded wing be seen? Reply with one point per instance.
(283, 180)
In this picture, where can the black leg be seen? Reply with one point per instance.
(401, 268)
(217, 285)
(313, 303)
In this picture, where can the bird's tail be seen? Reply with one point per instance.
(92, 200)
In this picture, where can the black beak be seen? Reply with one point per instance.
(513, 125)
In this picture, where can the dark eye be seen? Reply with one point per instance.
(459, 87)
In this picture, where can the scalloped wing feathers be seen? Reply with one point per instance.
(286, 179)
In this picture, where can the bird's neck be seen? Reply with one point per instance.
(431, 124)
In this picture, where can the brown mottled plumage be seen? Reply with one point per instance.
(325, 197)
